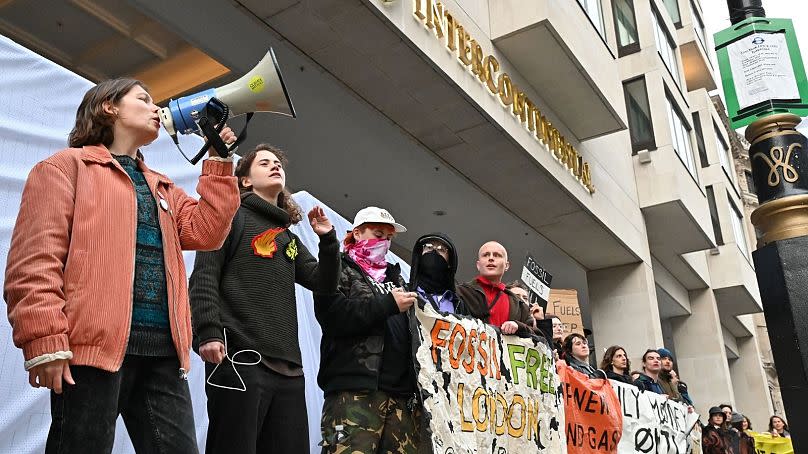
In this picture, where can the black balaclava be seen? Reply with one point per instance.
(430, 271)
(434, 274)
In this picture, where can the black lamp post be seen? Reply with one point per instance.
(779, 160)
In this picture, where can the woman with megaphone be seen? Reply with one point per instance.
(95, 278)
(245, 313)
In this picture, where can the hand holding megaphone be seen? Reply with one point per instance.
(228, 138)
(260, 90)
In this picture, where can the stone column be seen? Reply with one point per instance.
(700, 354)
(749, 381)
(624, 310)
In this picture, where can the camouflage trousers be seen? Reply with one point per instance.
(371, 422)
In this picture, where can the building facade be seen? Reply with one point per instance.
(579, 131)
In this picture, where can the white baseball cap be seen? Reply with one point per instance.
(378, 216)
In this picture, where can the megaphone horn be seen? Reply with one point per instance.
(260, 90)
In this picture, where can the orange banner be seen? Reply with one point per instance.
(594, 421)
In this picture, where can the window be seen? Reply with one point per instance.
(700, 140)
(750, 182)
(723, 153)
(737, 226)
(673, 9)
(666, 48)
(719, 238)
(625, 21)
(698, 26)
(592, 9)
(680, 136)
(639, 115)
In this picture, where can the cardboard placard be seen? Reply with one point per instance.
(563, 303)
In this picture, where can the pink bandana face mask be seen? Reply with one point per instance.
(369, 254)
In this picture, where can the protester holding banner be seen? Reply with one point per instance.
(541, 325)
(432, 273)
(713, 436)
(747, 425)
(487, 298)
(616, 364)
(681, 387)
(519, 289)
(366, 359)
(778, 427)
(740, 442)
(649, 378)
(576, 354)
(558, 335)
(665, 379)
(95, 279)
(728, 410)
(243, 299)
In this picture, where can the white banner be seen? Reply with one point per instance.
(762, 70)
(652, 423)
(485, 392)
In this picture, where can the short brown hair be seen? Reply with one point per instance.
(567, 346)
(94, 126)
(285, 201)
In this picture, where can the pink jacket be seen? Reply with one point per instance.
(69, 275)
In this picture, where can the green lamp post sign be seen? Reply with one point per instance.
(761, 70)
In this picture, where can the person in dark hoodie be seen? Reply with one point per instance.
(649, 378)
(434, 265)
(366, 367)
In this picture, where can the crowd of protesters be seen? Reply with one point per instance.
(98, 301)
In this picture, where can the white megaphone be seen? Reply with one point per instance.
(260, 90)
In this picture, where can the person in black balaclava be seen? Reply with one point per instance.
(434, 264)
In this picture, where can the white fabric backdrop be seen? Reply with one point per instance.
(39, 100)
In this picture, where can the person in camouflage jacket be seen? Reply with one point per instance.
(366, 364)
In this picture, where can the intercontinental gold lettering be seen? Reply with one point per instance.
(477, 61)
(419, 9)
(518, 107)
(435, 17)
(505, 89)
(464, 49)
(530, 111)
(451, 30)
(491, 66)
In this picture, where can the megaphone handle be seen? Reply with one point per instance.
(213, 140)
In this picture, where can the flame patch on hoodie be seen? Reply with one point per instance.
(264, 244)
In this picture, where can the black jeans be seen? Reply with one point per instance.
(148, 392)
(269, 417)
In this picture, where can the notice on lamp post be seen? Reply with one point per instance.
(762, 70)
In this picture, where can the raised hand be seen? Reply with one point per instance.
(319, 221)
